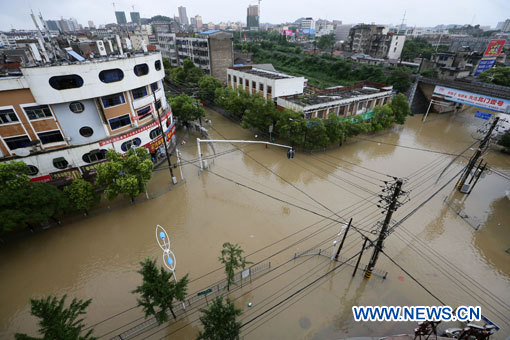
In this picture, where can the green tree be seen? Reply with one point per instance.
(186, 109)
(316, 134)
(82, 195)
(207, 86)
(400, 107)
(326, 42)
(127, 175)
(24, 204)
(259, 114)
(220, 321)
(334, 128)
(496, 75)
(400, 79)
(432, 73)
(382, 119)
(291, 126)
(56, 321)
(159, 290)
(231, 257)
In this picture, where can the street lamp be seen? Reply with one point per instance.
(168, 256)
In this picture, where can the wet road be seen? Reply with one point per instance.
(271, 205)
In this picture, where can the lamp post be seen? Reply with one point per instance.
(168, 256)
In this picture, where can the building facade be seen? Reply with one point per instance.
(183, 17)
(121, 17)
(345, 102)
(252, 17)
(375, 41)
(269, 85)
(135, 17)
(212, 51)
(60, 119)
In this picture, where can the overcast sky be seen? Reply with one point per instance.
(15, 13)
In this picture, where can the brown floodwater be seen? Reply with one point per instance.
(458, 251)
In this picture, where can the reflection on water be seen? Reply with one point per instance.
(98, 257)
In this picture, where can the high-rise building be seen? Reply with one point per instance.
(183, 18)
(252, 17)
(91, 24)
(506, 26)
(54, 25)
(121, 17)
(135, 17)
(198, 21)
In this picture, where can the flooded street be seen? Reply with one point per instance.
(275, 207)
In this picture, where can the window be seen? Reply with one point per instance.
(235, 79)
(17, 142)
(60, 163)
(158, 104)
(229, 78)
(254, 85)
(139, 92)
(154, 87)
(133, 143)
(111, 76)
(240, 81)
(269, 89)
(86, 131)
(141, 69)
(36, 112)
(112, 100)
(76, 107)
(94, 156)
(8, 116)
(261, 87)
(157, 65)
(118, 122)
(142, 113)
(71, 81)
(32, 170)
(155, 133)
(50, 137)
(246, 83)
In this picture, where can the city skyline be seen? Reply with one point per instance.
(457, 12)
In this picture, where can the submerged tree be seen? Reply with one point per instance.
(159, 290)
(82, 195)
(57, 322)
(400, 107)
(125, 174)
(231, 257)
(220, 321)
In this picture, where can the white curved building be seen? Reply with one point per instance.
(61, 119)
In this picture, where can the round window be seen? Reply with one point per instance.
(86, 131)
(32, 170)
(76, 107)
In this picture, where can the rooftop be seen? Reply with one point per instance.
(338, 93)
(261, 72)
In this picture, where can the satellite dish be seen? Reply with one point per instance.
(21, 152)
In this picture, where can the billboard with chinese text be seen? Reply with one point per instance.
(473, 99)
(484, 65)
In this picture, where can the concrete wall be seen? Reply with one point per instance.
(221, 55)
(71, 122)
(396, 46)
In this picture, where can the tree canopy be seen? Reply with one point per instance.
(219, 321)
(231, 257)
(207, 86)
(82, 195)
(58, 322)
(185, 108)
(159, 290)
(496, 75)
(326, 42)
(125, 174)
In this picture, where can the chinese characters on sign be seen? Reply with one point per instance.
(484, 65)
(474, 99)
(494, 48)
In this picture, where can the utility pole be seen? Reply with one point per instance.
(343, 240)
(477, 155)
(174, 180)
(378, 247)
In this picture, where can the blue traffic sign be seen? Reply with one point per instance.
(483, 115)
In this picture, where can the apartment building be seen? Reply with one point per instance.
(267, 84)
(211, 50)
(375, 41)
(61, 118)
